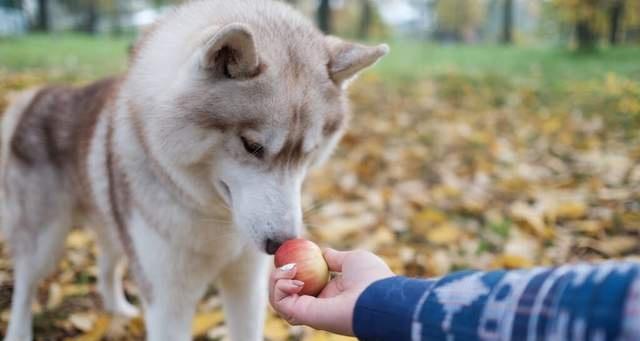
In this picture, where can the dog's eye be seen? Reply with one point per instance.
(253, 148)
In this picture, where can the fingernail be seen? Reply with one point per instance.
(288, 267)
(298, 283)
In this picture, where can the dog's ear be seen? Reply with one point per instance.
(230, 51)
(348, 59)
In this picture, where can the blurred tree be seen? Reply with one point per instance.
(595, 19)
(587, 18)
(87, 13)
(632, 22)
(43, 19)
(116, 20)
(616, 15)
(11, 3)
(91, 9)
(324, 16)
(507, 22)
(458, 19)
(366, 17)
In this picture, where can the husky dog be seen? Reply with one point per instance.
(189, 166)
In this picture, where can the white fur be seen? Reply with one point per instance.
(200, 208)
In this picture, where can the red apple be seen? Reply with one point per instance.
(311, 268)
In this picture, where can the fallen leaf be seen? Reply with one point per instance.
(55, 296)
(617, 245)
(570, 210)
(427, 219)
(276, 329)
(507, 261)
(83, 321)
(203, 322)
(78, 239)
(443, 235)
(99, 327)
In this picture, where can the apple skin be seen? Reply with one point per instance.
(311, 268)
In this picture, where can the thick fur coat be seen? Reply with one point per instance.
(189, 166)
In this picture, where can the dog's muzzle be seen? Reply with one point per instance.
(272, 245)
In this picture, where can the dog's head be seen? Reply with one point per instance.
(252, 104)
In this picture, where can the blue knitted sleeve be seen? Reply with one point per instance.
(572, 302)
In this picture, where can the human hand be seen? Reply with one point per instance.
(333, 309)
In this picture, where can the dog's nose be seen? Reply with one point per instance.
(272, 246)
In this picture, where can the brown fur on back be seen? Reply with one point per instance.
(56, 127)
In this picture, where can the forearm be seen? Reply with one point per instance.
(569, 302)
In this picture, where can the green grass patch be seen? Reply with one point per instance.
(78, 54)
(410, 60)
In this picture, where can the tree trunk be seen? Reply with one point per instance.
(585, 36)
(616, 14)
(91, 20)
(365, 19)
(324, 16)
(507, 22)
(116, 24)
(43, 16)
(17, 4)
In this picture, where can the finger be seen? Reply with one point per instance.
(286, 287)
(335, 259)
(328, 314)
(287, 271)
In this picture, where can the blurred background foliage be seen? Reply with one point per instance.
(496, 134)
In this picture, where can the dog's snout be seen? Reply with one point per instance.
(272, 246)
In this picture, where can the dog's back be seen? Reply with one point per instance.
(50, 128)
(45, 137)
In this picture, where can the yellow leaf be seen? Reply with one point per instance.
(75, 290)
(203, 322)
(324, 336)
(340, 228)
(82, 321)
(531, 219)
(444, 234)
(276, 329)
(571, 210)
(617, 245)
(136, 326)
(427, 219)
(78, 239)
(510, 261)
(98, 330)
(55, 296)
(631, 220)
(590, 227)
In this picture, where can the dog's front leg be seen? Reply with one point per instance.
(243, 285)
(171, 281)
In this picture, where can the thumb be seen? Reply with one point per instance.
(335, 259)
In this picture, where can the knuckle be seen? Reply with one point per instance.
(292, 321)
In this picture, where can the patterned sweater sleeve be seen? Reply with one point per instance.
(572, 302)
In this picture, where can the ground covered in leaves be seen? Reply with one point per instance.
(437, 174)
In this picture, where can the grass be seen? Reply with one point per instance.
(78, 54)
(410, 60)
